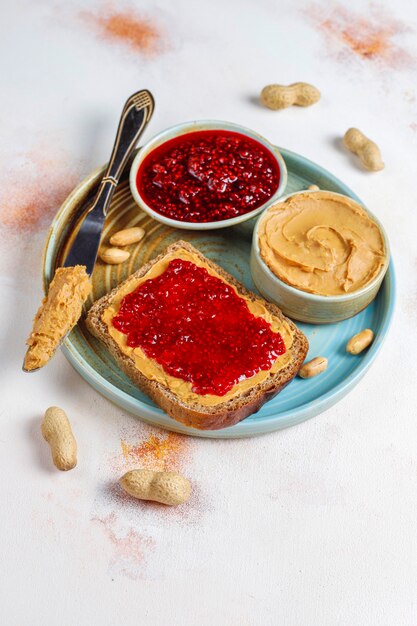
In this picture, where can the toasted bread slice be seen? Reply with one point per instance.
(194, 413)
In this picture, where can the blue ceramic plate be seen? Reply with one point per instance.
(302, 399)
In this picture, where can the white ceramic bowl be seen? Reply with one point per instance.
(309, 307)
(190, 127)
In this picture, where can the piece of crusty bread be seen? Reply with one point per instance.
(193, 414)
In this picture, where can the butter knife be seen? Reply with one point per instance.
(135, 117)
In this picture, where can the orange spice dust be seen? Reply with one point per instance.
(368, 38)
(32, 191)
(159, 452)
(126, 27)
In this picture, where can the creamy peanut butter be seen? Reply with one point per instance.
(154, 371)
(59, 312)
(322, 243)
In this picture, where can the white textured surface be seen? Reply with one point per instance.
(313, 525)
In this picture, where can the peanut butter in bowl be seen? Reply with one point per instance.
(319, 252)
(322, 242)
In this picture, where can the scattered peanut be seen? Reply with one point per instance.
(314, 188)
(367, 151)
(165, 487)
(314, 367)
(359, 342)
(56, 430)
(114, 256)
(127, 236)
(281, 96)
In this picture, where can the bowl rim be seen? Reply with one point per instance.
(194, 126)
(313, 297)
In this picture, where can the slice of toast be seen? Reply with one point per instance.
(194, 413)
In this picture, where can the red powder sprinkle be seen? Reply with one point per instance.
(164, 452)
(136, 32)
(31, 193)
(367, 38)
(129, 547)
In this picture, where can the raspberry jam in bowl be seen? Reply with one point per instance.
(207, 175)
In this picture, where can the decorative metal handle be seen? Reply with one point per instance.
(135, 116)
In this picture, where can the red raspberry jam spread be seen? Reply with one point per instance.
(208, 176)
(197, 327)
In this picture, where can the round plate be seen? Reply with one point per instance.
(230, 248)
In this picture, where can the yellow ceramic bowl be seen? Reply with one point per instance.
(309, 307)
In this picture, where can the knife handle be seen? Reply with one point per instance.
(135, 116)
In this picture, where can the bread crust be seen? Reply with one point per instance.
(195, 415)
